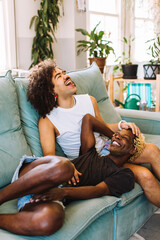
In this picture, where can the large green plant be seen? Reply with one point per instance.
(96, 44)
(45, 23)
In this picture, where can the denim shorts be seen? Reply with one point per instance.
(24, 159)
(22, 201)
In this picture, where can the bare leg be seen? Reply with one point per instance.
(147, 181)
(89, 125)
(35, 219)
(151, 154)
(38, 176)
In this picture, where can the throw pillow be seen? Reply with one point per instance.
(13, 144)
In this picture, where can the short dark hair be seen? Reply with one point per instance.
(40, 89)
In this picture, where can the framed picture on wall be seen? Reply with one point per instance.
(81, 5)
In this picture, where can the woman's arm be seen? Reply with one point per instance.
(47, 136)
(114, 126)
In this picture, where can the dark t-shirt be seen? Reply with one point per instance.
(96, 169)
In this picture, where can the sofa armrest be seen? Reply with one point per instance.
(148, 122)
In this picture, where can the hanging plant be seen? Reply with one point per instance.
(45, 24)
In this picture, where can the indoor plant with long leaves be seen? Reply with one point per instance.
(98, 47)
(153, 68)
(124, 61)
(45, 24)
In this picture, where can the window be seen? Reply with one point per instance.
(144, 30)
(2, 39)
(122, 18)
(108, 14)
(7, 39)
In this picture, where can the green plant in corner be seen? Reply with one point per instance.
(45, 24)
(96, 44)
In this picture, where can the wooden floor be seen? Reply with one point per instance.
(150, 230)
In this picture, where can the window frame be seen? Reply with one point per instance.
(9, 33)
(118, 15)
(145, 19)
(127, 20)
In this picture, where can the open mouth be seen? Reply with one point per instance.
(116, 144)
(68, 82)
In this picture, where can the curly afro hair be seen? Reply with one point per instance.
(40, 89)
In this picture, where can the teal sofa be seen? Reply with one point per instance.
(105, 218)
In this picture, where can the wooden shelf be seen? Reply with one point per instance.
(112, 79)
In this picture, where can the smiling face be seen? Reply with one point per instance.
(63, 85)
(122, 143)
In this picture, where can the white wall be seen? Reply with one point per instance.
(65, 47)
(24, 11)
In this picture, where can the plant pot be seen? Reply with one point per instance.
(151, 70)
(101, 61)
(129, 71)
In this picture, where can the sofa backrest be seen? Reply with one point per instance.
(13, 144)
(29, 119)
(87, 80)
(19, 133)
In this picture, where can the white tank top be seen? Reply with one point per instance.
(68, 122)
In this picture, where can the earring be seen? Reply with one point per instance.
(55, 97)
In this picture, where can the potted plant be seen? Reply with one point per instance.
(45, 24)
(125, 65)
(153, 68)
(99, 48)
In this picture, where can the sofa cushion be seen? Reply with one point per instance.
(83, 214)
(130, 218)
(128, 197)
(12, 140)
(150, 138)
(29, 119)
(148, 122)
(108, 115)
(89, 80)
(78, 216)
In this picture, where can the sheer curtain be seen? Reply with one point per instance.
(124, 18)
(143, 30)
(8, 56)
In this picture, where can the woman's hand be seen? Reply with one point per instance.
(135, 129)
